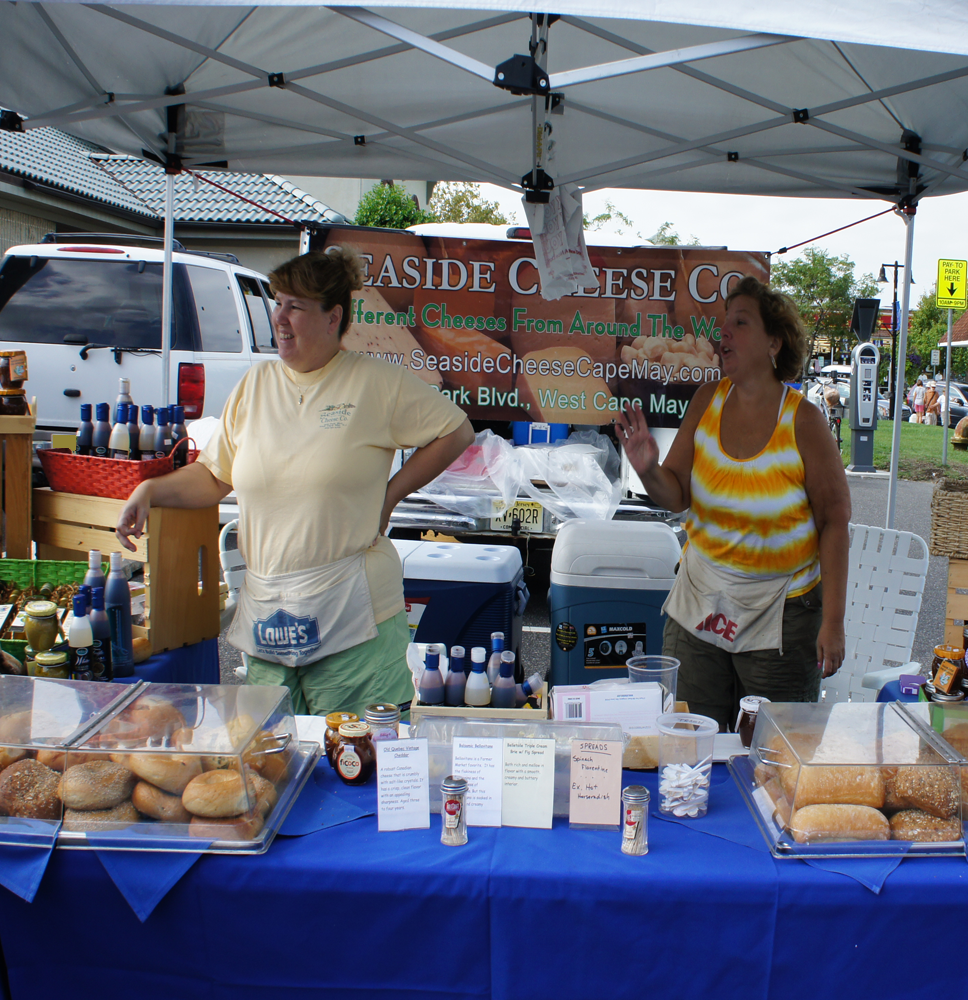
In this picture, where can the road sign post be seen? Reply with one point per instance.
(952, 294)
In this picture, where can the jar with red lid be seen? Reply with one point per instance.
(354, 758)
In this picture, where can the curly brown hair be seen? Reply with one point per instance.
(781, 319)
(329, 276)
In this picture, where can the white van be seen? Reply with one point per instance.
(87, 310)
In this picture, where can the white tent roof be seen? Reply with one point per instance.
(698, 97)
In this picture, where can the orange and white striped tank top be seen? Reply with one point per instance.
(752, 516)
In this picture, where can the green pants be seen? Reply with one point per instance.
(374, 671)
(713, 680)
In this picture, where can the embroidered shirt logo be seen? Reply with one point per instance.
(335, 416)
(283, 631)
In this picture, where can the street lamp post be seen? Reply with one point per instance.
(891, 382)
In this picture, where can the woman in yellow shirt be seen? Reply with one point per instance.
(307, 443)
(769, 512)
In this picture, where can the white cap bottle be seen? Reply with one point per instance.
(477, 691)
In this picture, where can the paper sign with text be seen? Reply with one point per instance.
(596, 783)
(481, 763)
(529, 783)
(402, 785)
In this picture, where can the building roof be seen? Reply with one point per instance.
(63, 162)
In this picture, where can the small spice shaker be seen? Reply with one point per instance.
(453, 791)
(635, 819)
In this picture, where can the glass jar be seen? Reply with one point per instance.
(954, 653)
(746, 720)
(948, 676)
(384, 721)
(958, 695)
(13, 403)
(635, 819)
(331, 737)
(49, 665)
(40, 625)
(354, 758)
(453, 816)
(13, 369)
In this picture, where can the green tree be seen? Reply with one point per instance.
(824, 288)
(927, 327)
(390, 207)
(460, 201)
(666, 236)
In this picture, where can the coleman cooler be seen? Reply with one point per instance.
(609, 580)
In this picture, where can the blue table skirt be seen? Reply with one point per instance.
(353, 914)
(195, 664)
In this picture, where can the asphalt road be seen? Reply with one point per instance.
(869, 501)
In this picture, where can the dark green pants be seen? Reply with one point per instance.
(713, 680)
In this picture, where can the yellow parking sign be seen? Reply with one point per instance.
(952, 284)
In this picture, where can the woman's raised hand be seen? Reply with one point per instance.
(636, 439)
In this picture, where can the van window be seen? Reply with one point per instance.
(113, 303)
(258, 310)
(218, 320)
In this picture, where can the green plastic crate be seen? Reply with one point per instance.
(24, 572)
(15, 647)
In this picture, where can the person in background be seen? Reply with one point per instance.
(307, 443)
(916, 401)
(768, 519)
(932, 402)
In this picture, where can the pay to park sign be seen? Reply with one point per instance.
(952, 284)
(467, 316)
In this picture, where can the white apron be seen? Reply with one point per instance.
(297, 618)
(733, 613)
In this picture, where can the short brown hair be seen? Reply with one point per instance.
(329, 276)
(781, 319)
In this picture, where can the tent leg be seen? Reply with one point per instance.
(900, 361)
(166, 288)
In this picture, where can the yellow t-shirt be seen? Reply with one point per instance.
(309, 456)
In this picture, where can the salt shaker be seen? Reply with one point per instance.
(635, 819)
(453, 792)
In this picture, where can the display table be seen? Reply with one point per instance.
(516, 914)
(195, 664)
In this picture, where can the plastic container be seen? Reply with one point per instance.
(458, 594)
(609, 580)
(535, 432)
(117, 604)
(661, 670)
(685, 763)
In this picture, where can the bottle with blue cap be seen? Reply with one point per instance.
(431, 689)
(494, 662)
(477, 691)
(456, 678)
(101, 438)
(79, 639)
(85, 433)
(503, 689)
(146, 439)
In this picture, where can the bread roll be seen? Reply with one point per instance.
(80, 820)
(836, 821)
(99, 784)
(30, 789)
(839, 784)
(153, 802)
(934, 788)
(921, 826)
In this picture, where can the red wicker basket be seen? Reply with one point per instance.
(100, 477)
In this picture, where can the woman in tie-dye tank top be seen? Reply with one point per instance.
(768, 519)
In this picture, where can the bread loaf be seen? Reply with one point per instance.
(839, 784)
(921, 826)
(836, 821)
(934, 788)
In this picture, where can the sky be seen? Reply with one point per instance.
(746, 222)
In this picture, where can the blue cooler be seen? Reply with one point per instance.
(458, 593)
(609, 580)
(534, 432)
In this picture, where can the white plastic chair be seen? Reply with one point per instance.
(233, 573)
(885, 583)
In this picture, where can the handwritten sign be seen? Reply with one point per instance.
(596, 783)
(529, 783)
(481, 763)
(402, 785)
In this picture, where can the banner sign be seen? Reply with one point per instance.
(467, 316)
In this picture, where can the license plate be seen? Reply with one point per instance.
(528, 514)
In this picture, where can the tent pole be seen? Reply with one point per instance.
(166, 288)
(901, 355)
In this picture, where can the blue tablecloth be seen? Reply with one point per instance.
(195, 664)
(353, 914)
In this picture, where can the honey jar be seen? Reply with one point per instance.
(331, 737)
(354, 759)
(13, 369)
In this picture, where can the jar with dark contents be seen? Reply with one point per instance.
(40, 626)
(746, 720)
(13, 369)
(13, 403)
(331, 737)
(954, 653)
(354, 759)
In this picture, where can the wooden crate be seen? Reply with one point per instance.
(180, 548)
(16, 455)
(956, 612)
(486, 712)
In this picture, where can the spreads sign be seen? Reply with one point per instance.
(467, 316)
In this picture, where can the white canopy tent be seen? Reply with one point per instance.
(862, 99)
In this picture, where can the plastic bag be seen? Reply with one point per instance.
(484, 482)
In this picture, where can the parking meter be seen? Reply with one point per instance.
(863, 406)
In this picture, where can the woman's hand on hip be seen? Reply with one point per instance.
(636, 439)
(831, 646)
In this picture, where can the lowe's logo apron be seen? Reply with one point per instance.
(282, 632)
